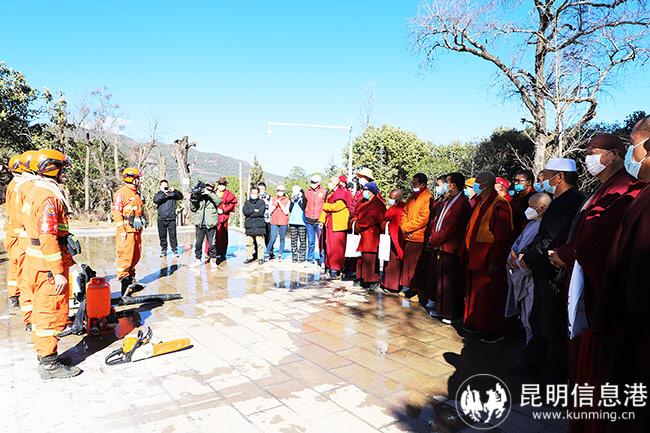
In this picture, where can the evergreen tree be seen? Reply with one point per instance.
(257, 172)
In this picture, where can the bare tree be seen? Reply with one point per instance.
(142, 151)
(180, 152)
(554, 55)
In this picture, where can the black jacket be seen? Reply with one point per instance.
(553, 232)
(254, 212)
(166, 203)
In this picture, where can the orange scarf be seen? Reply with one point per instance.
(484, 230)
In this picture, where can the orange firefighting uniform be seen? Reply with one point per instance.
(13, 230)
(18, 205)
(127, 203)
(47, 254)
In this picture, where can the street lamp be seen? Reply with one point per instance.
(270, 125)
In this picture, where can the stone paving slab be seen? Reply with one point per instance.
(275, 349)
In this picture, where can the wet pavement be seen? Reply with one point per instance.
(274, 349)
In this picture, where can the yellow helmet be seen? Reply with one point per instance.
(15, 164)
(48, 162)
(26, 159)
(130, 174)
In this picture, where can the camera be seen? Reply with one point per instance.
(197, 192)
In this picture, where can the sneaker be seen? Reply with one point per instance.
(408, 293)
(435, 315)
(431, 304)
(28, 334)
(176, 254)
(260, 262)
(247, 261)
(491, 339)
(196, 262)
(356, 283)
(14, 302)
(163, 253)
(49, 367)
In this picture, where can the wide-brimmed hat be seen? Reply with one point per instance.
(367, 173)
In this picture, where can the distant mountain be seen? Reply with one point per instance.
(208, 166)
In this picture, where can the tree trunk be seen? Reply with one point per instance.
(180, 152)
(116, 161)
(87, 179)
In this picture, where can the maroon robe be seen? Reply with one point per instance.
(369, 217)
(487, 287)
(519, 204)
(393, 268)
(620, 320)
(446, 282)
(228, 204)
(334, 242)
(589, 243)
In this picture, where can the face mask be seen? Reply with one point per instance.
(477, 188)
(438, 189)
(363, 181)
(314, 185)
(366, 195)
(391, 201)
(531, 214)
(519, 187)
(280, 193)
(546, 186)
(593, 164)
(254, 197)
(633, 167)
(330, 186)
(538, 187)
(416, 189)
(221, 187)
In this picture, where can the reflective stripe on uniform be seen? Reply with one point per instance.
(63, 227)
(44, 332)
(12, 283)
(33, 252)
(26, 308)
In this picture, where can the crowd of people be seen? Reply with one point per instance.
(476, 252)
(486, 252)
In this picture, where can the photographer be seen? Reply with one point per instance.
(203, 204)
(166, 200)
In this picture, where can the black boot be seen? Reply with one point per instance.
(125, 283)
(13, 302)
(49, 367)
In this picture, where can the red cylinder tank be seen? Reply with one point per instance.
(98, 298)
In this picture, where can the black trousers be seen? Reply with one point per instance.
(201, 234)
(548, 320)
(167, 227)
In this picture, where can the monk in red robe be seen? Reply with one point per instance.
(591, 235)
(227, 206)
(393, 218)
(368, 220)
(335, 218)
(446, 282)
(353, 264)
(620, 317)
(486, 247)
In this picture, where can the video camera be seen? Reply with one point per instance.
(197, 191)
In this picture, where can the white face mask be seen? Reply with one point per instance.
(391, 201)
(330, 186)
(280, 193)
(531, 214)
(416, 189)
(254, 197)
(363, 181)
(221, 187)
(593, 164)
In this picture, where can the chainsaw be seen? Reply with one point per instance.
(139, 347)
(96, 314)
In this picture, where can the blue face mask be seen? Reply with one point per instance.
(546, 186)
(366, 195)
(519, 187)
(477, 188)
(466, 192)
(511, 193)
(633, 167)
(538, 187)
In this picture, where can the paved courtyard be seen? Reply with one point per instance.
(274, 349)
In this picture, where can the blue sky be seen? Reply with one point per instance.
(218, 71)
